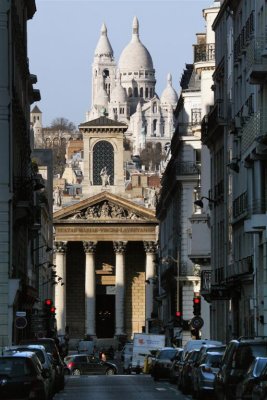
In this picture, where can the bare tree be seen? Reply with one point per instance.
(62, 124)
(151, 155)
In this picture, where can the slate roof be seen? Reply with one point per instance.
(102, 121)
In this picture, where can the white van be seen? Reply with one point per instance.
(86, 346)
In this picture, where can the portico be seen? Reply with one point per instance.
(104, 251)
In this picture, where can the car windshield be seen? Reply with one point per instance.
(14, 367)
(214, 360)
(167, 354)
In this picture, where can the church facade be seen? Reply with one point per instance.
(126, 92)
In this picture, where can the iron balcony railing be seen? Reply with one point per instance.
(205, 282)
(204, 52)
(256, 52)
(187, 168)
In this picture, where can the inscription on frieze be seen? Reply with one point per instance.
(106, 229)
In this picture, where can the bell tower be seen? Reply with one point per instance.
(103, 156)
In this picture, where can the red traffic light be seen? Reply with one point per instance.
(196, 300)
(53, 310)
(48, 302)
(178, 314)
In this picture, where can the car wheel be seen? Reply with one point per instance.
(110, 371)
(76, 372)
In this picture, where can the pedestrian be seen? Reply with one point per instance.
(103, 356)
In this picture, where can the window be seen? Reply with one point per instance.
(103, 156)
(154, 108)
(135, 92)
(141, 92)
(154, 127)
(146, 93)
(121, 110)
(130, 92)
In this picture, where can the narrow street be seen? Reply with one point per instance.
(130, 387)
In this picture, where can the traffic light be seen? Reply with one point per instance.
(178, 319)
(197, 305)
(49, 316)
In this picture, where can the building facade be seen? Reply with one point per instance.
(184, 239)
(19, 178)
(235, 135)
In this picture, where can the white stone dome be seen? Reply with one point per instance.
(101, 98)
(103, 47)
(169, 95)
(135, 56)
(118, 94)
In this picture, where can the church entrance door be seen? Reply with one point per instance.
(105, 315)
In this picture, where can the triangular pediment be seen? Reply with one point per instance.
(105, 207)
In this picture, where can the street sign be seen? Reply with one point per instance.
(20, 313)
(21, 322)
(197, 322)
(178, 333)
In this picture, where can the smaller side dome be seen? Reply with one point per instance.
(101, 98)
(118, 94)
(103, 47)
(169, 95)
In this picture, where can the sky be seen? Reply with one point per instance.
(63, 34)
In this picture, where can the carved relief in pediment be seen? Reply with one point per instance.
(104, 211)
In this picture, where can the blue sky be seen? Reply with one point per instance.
(63, 34)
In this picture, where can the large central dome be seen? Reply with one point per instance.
(135, 56)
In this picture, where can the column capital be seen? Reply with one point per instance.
(89, 247)
(151, 247)
(119, 247)
(60, 247)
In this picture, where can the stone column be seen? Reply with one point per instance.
(90, 288)
(150, 249)
(119, 248)
(60, 290)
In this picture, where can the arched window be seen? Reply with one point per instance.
(135, 92)
(151, 92)
(130, 92)
(103, 156)
(141, 92)
(146, 93)
(154, 127)
(154, 107)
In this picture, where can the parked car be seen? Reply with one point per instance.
(194, 344)
(185, 376)
(44, 359)
(78, 364)
(205, 375)
(206, 348)
(238, 357)
(244, 388)
(22, 377)
(163, 363)
(51, 348)
(259, 391)
(174, 370)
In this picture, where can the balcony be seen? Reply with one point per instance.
(212, 292)
(239, 268)
(213, 121)
(257, 60)
(204, 52)
(187, 168)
